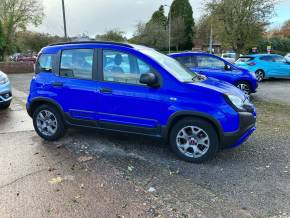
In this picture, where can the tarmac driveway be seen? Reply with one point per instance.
(112, 175)
(274, 90)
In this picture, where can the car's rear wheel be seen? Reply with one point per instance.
(5, 105)
(244, 86)
(260, 75)
(194, 140)
(48, 123)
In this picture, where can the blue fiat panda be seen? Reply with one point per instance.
(134, 89)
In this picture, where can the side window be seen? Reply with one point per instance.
(77, 63)
(210, 62)
(187, 61)
(123, 67)
(279, 59)
(267, 58)
(45, 62)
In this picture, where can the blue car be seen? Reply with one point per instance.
(134, 89)
(265, 65)
(216, 67)
(5, 91)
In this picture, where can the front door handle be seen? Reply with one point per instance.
(106, 90)
(57, 84)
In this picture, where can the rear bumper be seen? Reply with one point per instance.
(247, 127)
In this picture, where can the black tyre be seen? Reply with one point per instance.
(260, 75)
(194, 140)
(48, 123)
(244, 86)
(5, 105)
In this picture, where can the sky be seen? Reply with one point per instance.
(94, 17)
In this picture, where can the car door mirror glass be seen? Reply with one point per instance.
(149, 79)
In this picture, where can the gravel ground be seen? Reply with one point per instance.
(249, 181)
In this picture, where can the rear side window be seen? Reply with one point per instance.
(77, 63)
(44, 63)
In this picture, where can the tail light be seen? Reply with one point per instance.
(251, 63)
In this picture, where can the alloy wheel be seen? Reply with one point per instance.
(244, 87)
(259, 75)
(192, 141)
(46, 122)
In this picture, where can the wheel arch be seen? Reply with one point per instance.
(35, 103)
(183, 114)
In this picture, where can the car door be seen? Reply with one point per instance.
(267, 64)
(282, 67)
(211, 67)
(74, 85)
(125, 104)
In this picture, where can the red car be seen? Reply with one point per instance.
(26, 59)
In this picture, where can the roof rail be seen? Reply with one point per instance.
(94, 42)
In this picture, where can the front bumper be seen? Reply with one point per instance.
(5, 93)
(247, 127)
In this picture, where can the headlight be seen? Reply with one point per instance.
(236, 101)
(4, 80)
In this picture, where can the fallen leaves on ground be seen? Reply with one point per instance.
(55, 180)
(85, 158)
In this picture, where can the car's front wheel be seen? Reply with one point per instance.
(48, 123)
(244, 86)
(194, 140)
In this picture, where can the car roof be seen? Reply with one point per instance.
(259, 55)
(53, 48)
(189, 52)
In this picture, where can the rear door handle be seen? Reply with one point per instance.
(106, 90)
(57, 84)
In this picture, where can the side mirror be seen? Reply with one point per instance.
(228, 67)
(149, 79)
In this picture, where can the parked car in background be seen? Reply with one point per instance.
(135, 89)
(216, 67)
(14, 56)
(265, 65)
(230, 57)
(26, 58)
(287, 57)
(5, 91)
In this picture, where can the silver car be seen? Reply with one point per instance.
(5, 91)
(287, 57)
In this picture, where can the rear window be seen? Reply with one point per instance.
(244, 59)
(44, 63)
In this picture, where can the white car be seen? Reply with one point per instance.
(230, 57)
(5, 91)
(287, 57)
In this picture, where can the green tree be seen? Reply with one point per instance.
(2, 41)
(182, 9)
(16, 15)
(240, 24)
(112, 35)
(33, 41)
(158, 17)
(178, 33)
(154, 32)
